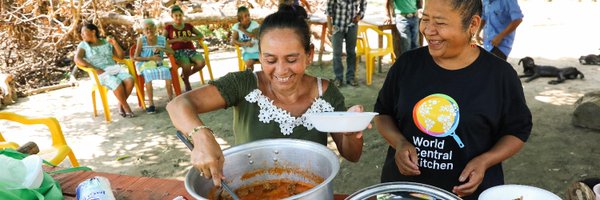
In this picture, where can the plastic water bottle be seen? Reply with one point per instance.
(97, 188)
(157, 53)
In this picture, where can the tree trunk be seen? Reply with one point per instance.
(204, 18)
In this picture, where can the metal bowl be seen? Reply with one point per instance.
(402, 190)
(309, 159)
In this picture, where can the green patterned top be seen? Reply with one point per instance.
(255, 117)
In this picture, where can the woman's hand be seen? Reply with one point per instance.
(110, 39)
(473, 175)
(156, 58)
(208, 158)
(388, 20)
(406, 159)
(359, 134)
(350, 144)
(497, 40)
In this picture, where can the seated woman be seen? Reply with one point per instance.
(97, 53)
(180, 36)
(244, 35)
(268, 104)
(149, 53)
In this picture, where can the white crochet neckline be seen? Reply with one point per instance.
(269, 112)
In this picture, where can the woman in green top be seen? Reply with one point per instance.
(267, 104)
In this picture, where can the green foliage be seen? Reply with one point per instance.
(210, 31)
(205, 30)
(221, 33)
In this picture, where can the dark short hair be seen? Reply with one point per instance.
(241, 9)
(287, 18)
(92, 27)
(467, 9)
(176, 8)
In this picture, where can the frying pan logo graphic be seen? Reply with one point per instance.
(437, 115)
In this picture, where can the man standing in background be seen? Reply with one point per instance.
(407, 23)
(500, 19)
(342, 24)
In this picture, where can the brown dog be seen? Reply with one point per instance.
(533, 71)
(8, 94)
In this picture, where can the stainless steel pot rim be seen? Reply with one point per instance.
(322, 149)
(273, 143)
(402, 186)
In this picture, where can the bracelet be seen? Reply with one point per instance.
(197, 129)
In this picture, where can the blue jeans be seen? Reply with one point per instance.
(409, 31)
(337, 40)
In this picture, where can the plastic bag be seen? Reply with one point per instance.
(48, 189)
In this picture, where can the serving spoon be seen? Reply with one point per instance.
(191, 146)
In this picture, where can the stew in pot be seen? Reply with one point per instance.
(270, 189)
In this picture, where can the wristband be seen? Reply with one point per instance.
(198, 128)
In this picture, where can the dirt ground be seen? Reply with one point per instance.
(556, 154)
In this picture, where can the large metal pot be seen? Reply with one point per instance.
(402, 190)
(308, 158)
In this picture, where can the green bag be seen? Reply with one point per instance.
(50, 189)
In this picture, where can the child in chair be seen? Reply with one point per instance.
(244, 35)
(149, 53)
(180, 36)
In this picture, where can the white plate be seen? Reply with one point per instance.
(504, 192)
(597, 191)
(341, 122)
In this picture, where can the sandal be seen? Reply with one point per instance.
(121, 111)
(129, 115)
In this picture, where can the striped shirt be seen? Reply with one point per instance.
(343, 11)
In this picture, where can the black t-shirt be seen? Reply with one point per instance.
(483, 102)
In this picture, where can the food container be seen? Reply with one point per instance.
(337, 122)
(516, 192)
(402, 190)
(303, 160)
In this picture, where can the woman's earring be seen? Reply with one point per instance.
(473, 42)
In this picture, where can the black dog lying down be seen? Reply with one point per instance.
(534, 71)
(590, 60)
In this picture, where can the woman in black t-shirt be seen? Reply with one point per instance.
(451, 112)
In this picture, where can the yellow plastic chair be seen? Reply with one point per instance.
(373, 52)
(103, 90)
(60, 149)
(241, 63)
(360, 46)
(207, 61)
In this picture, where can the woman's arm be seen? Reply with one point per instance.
(474, 172)
(252, 34)
(350, 144)
(138, 51)
(406, 153)
(117, 50)
(79, 55)
(235, 39)
(197, 35)
(207, 155)
(168, 50)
